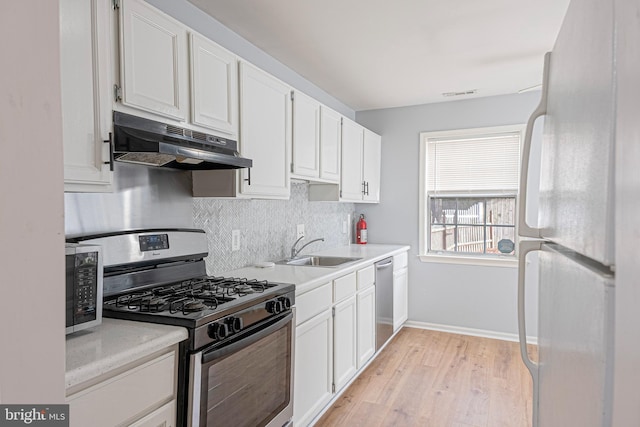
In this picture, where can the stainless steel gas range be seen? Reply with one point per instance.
(236, 368)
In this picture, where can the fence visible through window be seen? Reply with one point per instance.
(473, 225)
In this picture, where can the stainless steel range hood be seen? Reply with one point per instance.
(147, 142)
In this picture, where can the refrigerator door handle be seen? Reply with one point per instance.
(523, 228)
(524, 248)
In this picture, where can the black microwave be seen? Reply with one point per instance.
(83, 286)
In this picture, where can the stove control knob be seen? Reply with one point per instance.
(218, 331)
(286, 302)
(234, 324)
(274, 307)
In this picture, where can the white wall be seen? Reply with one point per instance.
(454, 296)
(195, 18)
(32, 290)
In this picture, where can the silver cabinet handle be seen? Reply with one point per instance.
(523, 228)
(524, 248)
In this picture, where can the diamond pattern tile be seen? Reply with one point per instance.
(267, 227)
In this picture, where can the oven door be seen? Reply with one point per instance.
(246, 381)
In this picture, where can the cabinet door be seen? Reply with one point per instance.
(344, 342)
(164, 416)
(153, 60)
(371, 166)
(330, 136)
(351, 184)
(214, 86)
(265, 135)
(306, 136)
(366, 325)
(400, 297)
(85, 79)
(313, 375)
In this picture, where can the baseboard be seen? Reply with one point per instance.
(469, 331)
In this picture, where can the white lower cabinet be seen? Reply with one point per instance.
(142, 395)
(313, 377)
(400, 290)
(345, 362)
(366, 305)
(335, 338)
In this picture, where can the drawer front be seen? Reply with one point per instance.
(344, 287)
(400, 261)
(366, 277)
(312, 303)
(125, 397)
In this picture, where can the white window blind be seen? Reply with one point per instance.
(480, 163)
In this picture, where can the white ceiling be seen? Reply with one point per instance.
(373, 54)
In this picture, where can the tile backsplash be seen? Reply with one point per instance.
(268, 227)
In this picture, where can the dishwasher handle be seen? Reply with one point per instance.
(381, 265)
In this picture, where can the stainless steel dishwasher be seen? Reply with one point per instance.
(384, 301)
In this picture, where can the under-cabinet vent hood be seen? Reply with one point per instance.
(147, 142)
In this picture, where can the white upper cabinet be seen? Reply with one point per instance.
(371, 152)
(214, 86)
(360, 155)
(265, 133)
(85, 41)
(351, 184)
(306, 136)
(154, 61)
(330, 137)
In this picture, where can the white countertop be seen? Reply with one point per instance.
(115, 343)
(306, 278)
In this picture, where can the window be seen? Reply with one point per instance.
(469, 184)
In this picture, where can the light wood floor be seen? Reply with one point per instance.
(428, 378)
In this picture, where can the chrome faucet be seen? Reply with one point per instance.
(294, 252)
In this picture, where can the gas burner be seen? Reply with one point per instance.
(154, 304)
(188, 305)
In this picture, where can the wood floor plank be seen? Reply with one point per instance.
(429, 378)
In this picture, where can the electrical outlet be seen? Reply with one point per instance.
(300, 231)
(235, 240)
(344, 227)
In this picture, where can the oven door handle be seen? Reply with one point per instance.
(249, 339)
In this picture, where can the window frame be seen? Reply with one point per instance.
(425, 211)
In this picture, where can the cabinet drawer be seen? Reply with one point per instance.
(127, 396)
(400, 261)
(366, 277)
(312, 303)
(344, 287)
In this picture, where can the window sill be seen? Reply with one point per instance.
(470, 260)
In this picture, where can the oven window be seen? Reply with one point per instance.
(250, 386)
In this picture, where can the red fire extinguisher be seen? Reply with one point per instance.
(361, 231)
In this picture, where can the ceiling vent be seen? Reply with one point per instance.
(463, 93)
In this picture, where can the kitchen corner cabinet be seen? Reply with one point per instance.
(400, 290)
(306, 136)
(154, 61)
(85, 52)
(141, 395)
(265, 134)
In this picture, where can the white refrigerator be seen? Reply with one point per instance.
(575, 236)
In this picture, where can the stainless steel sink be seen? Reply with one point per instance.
(318, 261)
